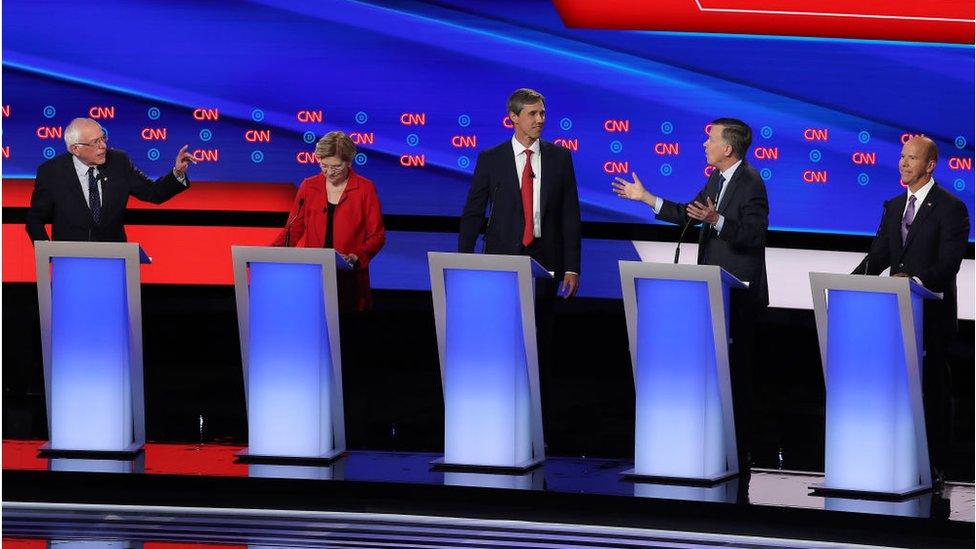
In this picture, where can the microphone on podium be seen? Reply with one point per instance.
(301, 203)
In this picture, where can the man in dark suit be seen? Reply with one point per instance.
(83, 193)
(530, 186)
(923, 234)
(734, 213)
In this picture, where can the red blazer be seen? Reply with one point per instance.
(357, 228)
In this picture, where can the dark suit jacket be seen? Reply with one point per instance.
(59, 200)
(495, 182)
(933, 250)
(741, 247)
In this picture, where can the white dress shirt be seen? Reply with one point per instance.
(919, 197)
(82, 170)
(536, 180)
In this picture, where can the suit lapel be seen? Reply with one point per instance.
(730, 189)
(511, 170)
(71, 178)
(547, 179)
(921, 214)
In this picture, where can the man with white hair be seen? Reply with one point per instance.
(83, 193)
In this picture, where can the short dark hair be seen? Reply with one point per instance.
(522, 97)
(737, 134)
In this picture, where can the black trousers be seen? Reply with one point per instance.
(744, 317)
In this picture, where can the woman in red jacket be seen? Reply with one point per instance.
(339, 209)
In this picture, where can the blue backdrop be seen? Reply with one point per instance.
(251, 85)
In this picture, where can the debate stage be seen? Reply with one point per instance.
(197, 493)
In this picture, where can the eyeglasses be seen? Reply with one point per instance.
(95, 142)
(332, 168)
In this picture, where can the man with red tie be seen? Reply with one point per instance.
(529, 188)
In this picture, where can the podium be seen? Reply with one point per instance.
(486, 340)
(677, 325)
(288, 319)
(91, 339)
(870, 334)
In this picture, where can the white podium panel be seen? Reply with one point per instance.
(289, 327)
(677, 324)
(486, 339)
(870, 334)
(91, 340)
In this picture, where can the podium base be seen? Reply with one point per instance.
(712, 480)
(129, 452)
(245, 456)
(440, 465)
(821, 490)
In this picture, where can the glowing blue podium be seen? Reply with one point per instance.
(677, 325)
(870, 333)
(485, 318)
(288, 319)
(91, 339)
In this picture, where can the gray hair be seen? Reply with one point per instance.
(73, 132)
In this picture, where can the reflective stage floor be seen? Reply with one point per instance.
(198, 494)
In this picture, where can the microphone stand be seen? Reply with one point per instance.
(301, 203)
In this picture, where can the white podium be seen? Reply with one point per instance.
(677, 325)
(870, 334)
(288, 320)
(91, 340)
(486, 339)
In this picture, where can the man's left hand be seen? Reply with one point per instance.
(706, 213)
(569, 285)
(183, 161)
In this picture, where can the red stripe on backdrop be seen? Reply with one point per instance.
(935, 21)
(218, 196)
(180, 254)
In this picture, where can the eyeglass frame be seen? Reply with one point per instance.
(332, 169)
(103, 140)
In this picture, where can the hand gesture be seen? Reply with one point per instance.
(632, 190)
(706, 213)
(183, 161)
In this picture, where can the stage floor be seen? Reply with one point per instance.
(365, 489)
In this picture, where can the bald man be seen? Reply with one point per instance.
(83, 193)
(923, 234)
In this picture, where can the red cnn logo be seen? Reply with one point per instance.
(305, 157)
(153, 134)
(666, 149)
(906, 136)
(206, 114)
(708, 170)
(50, 132)
(6, 111)
(464, 141)
(309, 116)
(413, 160)
(206, 155)
(864, 159)
(708, 128)
(959, 163)
(815, 134)
(413, 119)
(6, 151)
(507, 122)
(616, 167)
(811, 176)
(615, 126)
(571, 144)
(362, 138)
(101, 112)
(766, 153)
(257, 136)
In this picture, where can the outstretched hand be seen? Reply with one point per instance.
(632, 190)
(706, 213)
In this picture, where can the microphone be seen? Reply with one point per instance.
(677, 249)
(301, 203)
(491, 216)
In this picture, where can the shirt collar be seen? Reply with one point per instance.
(520, 148)
(923, 192)
(727, 174)
(82, 169)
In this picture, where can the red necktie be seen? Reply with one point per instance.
(527, 199)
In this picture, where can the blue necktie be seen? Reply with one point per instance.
(94, 200)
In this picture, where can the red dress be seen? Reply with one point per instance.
(357, 229)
